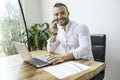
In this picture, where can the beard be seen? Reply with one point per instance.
(63, 21)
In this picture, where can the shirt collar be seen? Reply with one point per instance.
(68, 25)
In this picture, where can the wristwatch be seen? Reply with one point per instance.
(54, 33)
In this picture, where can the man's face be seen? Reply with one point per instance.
(61, 15)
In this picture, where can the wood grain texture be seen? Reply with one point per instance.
(14, 68)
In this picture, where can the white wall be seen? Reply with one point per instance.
(101, 16)
(32, 11)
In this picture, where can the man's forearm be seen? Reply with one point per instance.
(68, 57)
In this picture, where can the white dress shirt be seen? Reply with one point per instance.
(76, 40)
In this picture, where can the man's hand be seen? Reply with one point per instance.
(54, 59)
(54, 28)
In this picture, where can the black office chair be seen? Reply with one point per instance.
(98, 47)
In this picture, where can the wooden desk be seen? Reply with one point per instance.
(13, 68)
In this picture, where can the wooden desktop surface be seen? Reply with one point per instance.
(14, 68)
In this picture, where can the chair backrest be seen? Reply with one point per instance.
(98, 46)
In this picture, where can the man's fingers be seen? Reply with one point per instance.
(54, 21)
(57, 61)
(54, 59)
(50, 58)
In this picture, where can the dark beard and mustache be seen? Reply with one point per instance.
(62, 21)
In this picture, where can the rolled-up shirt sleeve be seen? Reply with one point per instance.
(84, 49)
(51, 46)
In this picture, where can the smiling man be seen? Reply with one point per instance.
(74, 37)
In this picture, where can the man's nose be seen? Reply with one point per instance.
(59, 16)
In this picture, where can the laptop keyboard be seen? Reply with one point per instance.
(39, 62)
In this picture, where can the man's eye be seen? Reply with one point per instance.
(56, 14)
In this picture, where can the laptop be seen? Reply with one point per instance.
(38, 61)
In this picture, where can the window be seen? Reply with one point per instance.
(9, 26)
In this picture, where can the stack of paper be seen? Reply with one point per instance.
(66, 69)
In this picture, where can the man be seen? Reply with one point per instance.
(74, 37)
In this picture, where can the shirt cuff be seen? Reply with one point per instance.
(74, 53)
(50, 43)
(78, 54)
(50, 46)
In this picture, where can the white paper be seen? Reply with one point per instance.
(66, 69)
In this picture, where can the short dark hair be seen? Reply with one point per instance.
(60, 4)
